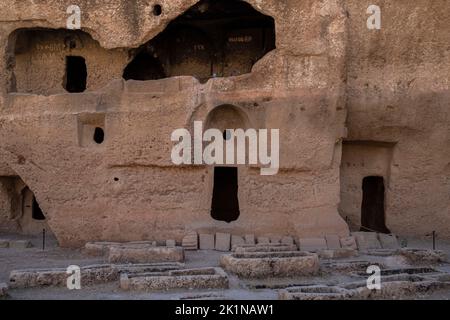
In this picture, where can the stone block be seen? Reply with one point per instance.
(30, 278)
(388, 241)
(190, 241)
(367, 240)
(146, 267)
(263, 240)
(312, 244)
(397, 287)
(144, 243)
(223, 241)
(349, 243)
(315, 292)
(170, 243)
(206, 241)
(338, 253)
(287, 240)
(4, 243)
(145, 254)
(124, 281)
(250, 239)
(100, 248)
(237, 240)
(90, 275)
(346, 266)
(270, 264)
(20, 244)
(275, 240)
(271, 247)
(383, 253)
(200, 278)
(423, 256)
(333, 242)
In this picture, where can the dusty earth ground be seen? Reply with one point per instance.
(54, 256)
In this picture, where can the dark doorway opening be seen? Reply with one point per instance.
(144, 67)
(36, 211)
(225, 203)
(372, 208)
(76, 74)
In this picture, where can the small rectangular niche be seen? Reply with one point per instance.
(91, 129)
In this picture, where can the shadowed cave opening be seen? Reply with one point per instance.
(19, 208)
(225, 203)
(372, 207)
(30, 206)
(211, 39)
(144, 67)
(36, 211)
(76, 74)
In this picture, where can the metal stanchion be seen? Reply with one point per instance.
(434, 239)
(43, 239)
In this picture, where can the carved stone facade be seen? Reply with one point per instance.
(86, 116)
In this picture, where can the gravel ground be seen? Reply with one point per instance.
(54, 256)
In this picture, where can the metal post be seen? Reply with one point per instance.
(43, 239)
(434, 240)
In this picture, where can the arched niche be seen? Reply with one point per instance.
(227, 117)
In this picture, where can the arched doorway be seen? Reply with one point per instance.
(225, 195)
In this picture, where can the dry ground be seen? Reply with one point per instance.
(54, 256)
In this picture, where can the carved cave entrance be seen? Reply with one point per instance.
(372, 208)
(76, 74)
(225, 203)
(36, 211)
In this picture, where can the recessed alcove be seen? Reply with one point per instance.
(211, 39)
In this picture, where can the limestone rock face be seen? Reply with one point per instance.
(349, 102)
(398, 93)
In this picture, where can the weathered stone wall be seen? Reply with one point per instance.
(362, 159)
(6, 205)
(398, 91)
(394, 83)
(40, 60)
(16, 208)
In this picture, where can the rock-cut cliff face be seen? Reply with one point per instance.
(86, 117)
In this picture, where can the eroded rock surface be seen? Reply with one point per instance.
(93, 149)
